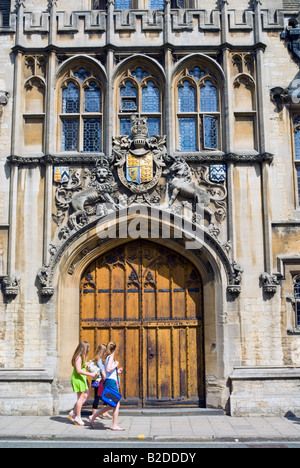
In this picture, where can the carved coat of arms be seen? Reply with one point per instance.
(139, 160)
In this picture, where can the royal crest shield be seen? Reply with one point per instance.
(139, 169)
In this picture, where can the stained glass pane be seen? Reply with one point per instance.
(186, 97)
(125, 127)
(217, 172)
(139, 73)
(122, 4)
(187, 134)
(70, 99)
(92, 135)
(92, 98)
(128, 97)
(210, 132)
(297, 144)
(298, 179)
(208, 98)
(150, 98)
(69, 134)
(297, 289)
(156, 4)
(298, 313)
(197, 73)
(153, 124)
(82, 74)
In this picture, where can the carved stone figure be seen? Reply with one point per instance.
(98, 190)
(182, 183)
(11, 285)
(269, 283)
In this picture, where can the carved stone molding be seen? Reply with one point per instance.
(201, 157)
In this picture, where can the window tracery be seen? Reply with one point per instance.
(140, 91)
(198, 110)
(296, 129)
(81, 111)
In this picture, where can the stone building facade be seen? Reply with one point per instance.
(150, 195)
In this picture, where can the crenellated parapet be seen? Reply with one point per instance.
(138, 23)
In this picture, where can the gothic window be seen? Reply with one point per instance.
(140, 93)
(296, 124)
(122, 4)
(198, 112)
(297, 299)
(152, 4)
(5, 11)
(156, 4)
(81, 112)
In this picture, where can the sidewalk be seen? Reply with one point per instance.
(210, 427)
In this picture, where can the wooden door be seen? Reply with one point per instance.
(148, 300)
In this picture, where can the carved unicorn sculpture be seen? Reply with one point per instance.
(182, 183)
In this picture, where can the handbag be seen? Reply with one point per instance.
(111, 397)
(100, 388)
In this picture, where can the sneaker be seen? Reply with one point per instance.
(78, 421)
(71, 416)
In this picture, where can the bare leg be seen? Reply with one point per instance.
(82, 397)
(115, 426)
(98, 413)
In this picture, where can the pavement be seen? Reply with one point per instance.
(160, 426)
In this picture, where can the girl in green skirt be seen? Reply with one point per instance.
(79, 381)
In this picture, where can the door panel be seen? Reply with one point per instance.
(149, 301)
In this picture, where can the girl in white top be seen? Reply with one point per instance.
(112, 371)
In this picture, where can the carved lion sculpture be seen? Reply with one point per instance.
(98, 190)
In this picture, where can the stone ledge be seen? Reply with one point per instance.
(25, 374)
(265, 372)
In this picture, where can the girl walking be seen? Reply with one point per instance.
(112, 371)
(79, 381)
(98, 384)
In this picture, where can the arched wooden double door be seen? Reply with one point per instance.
(148, 300)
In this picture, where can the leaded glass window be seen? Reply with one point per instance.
(210, 132)
(198, 111)
(150, 98)
(92, 135)
(208, 98)
(140, 93)
(187, 97)
(92, 99)
(70, 134)
(297, 152)
(297, 299)
(156, 4)
(81, 111)
(122, 4)
(187, 134)
(70, 96)
(128, 97)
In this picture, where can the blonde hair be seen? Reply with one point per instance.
(111, 347)
(82, 350)
(100, 353)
